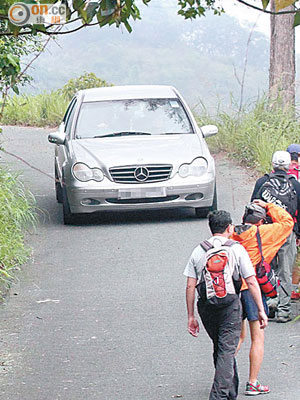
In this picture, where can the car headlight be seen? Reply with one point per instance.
(197, 168)
(84, 173)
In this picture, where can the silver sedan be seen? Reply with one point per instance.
(132, 147)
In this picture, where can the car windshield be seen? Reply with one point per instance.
(132, 117)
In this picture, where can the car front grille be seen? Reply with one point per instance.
(141, 173)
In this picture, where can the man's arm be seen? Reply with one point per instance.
(283, 222)
(193, 326)
(254, 288)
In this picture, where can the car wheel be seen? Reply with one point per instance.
(58, 189)
(203, 212)
(67, 215)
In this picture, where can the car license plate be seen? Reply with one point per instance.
(141, 193)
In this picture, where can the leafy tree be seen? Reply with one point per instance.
(120, 12)
(12, 49)
(83, 13)
(12, 73)
(86, 81)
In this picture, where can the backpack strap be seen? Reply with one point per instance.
(206, 245)
(230, 242)
(259, 244)
(280, 175)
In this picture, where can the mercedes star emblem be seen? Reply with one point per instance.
(141, 174)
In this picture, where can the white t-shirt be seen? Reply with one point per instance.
(196, 262)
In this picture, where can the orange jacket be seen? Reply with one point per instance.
(272, 235)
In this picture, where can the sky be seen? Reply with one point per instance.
(247, 16)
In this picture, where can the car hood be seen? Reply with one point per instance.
(111, 152)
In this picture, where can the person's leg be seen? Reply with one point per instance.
(225, 385)
(286, 259)
(210, 320)
(242, 335)
(253, 387)
(233, 393)
(273, 302)
(296, 279)
(256, 353)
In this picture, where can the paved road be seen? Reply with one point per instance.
(100, 311)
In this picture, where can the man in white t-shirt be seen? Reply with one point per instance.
(223, 324)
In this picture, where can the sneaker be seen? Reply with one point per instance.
(272, 312)
(254, 390)
(295, 295)
(282, 319)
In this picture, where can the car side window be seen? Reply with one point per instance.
(70, 117)
(68, 111)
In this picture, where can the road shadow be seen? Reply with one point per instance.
(54, 216)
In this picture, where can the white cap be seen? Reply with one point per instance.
(281, 159)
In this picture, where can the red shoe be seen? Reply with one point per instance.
(257, 388)
(295, 295)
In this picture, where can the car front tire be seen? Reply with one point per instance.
(203, 212)
(68, 217)
(58, 188)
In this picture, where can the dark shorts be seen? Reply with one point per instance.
(250, 310)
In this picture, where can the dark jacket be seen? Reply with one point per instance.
(296, 186)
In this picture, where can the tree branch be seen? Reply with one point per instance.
(56, 33)
(33, 59)
(266, 11)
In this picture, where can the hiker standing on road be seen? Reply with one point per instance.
(272, 237)
(284, 190)
(294, 150)
(221, 316)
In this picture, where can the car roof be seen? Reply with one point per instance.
(128, 92)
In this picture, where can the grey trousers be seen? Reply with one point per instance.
(283, 264)
(223, 326)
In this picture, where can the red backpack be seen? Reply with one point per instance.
(217, 285)
(265, 276)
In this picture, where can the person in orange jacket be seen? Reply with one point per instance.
(272, 237)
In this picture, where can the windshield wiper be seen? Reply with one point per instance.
(122, 134)
(176, 133)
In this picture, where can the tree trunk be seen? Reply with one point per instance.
(282, 58)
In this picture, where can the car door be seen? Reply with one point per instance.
(62, 151)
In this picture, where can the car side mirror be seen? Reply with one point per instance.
(209, 130)
(57, 137)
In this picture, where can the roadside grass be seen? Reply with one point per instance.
(16, 216)
(252, 136)
(45, 109)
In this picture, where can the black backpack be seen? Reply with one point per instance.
(278, 189)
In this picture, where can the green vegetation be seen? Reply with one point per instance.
(251, 136)
(47, 109)
(16, 214)
(12, 51)
(86, 81)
